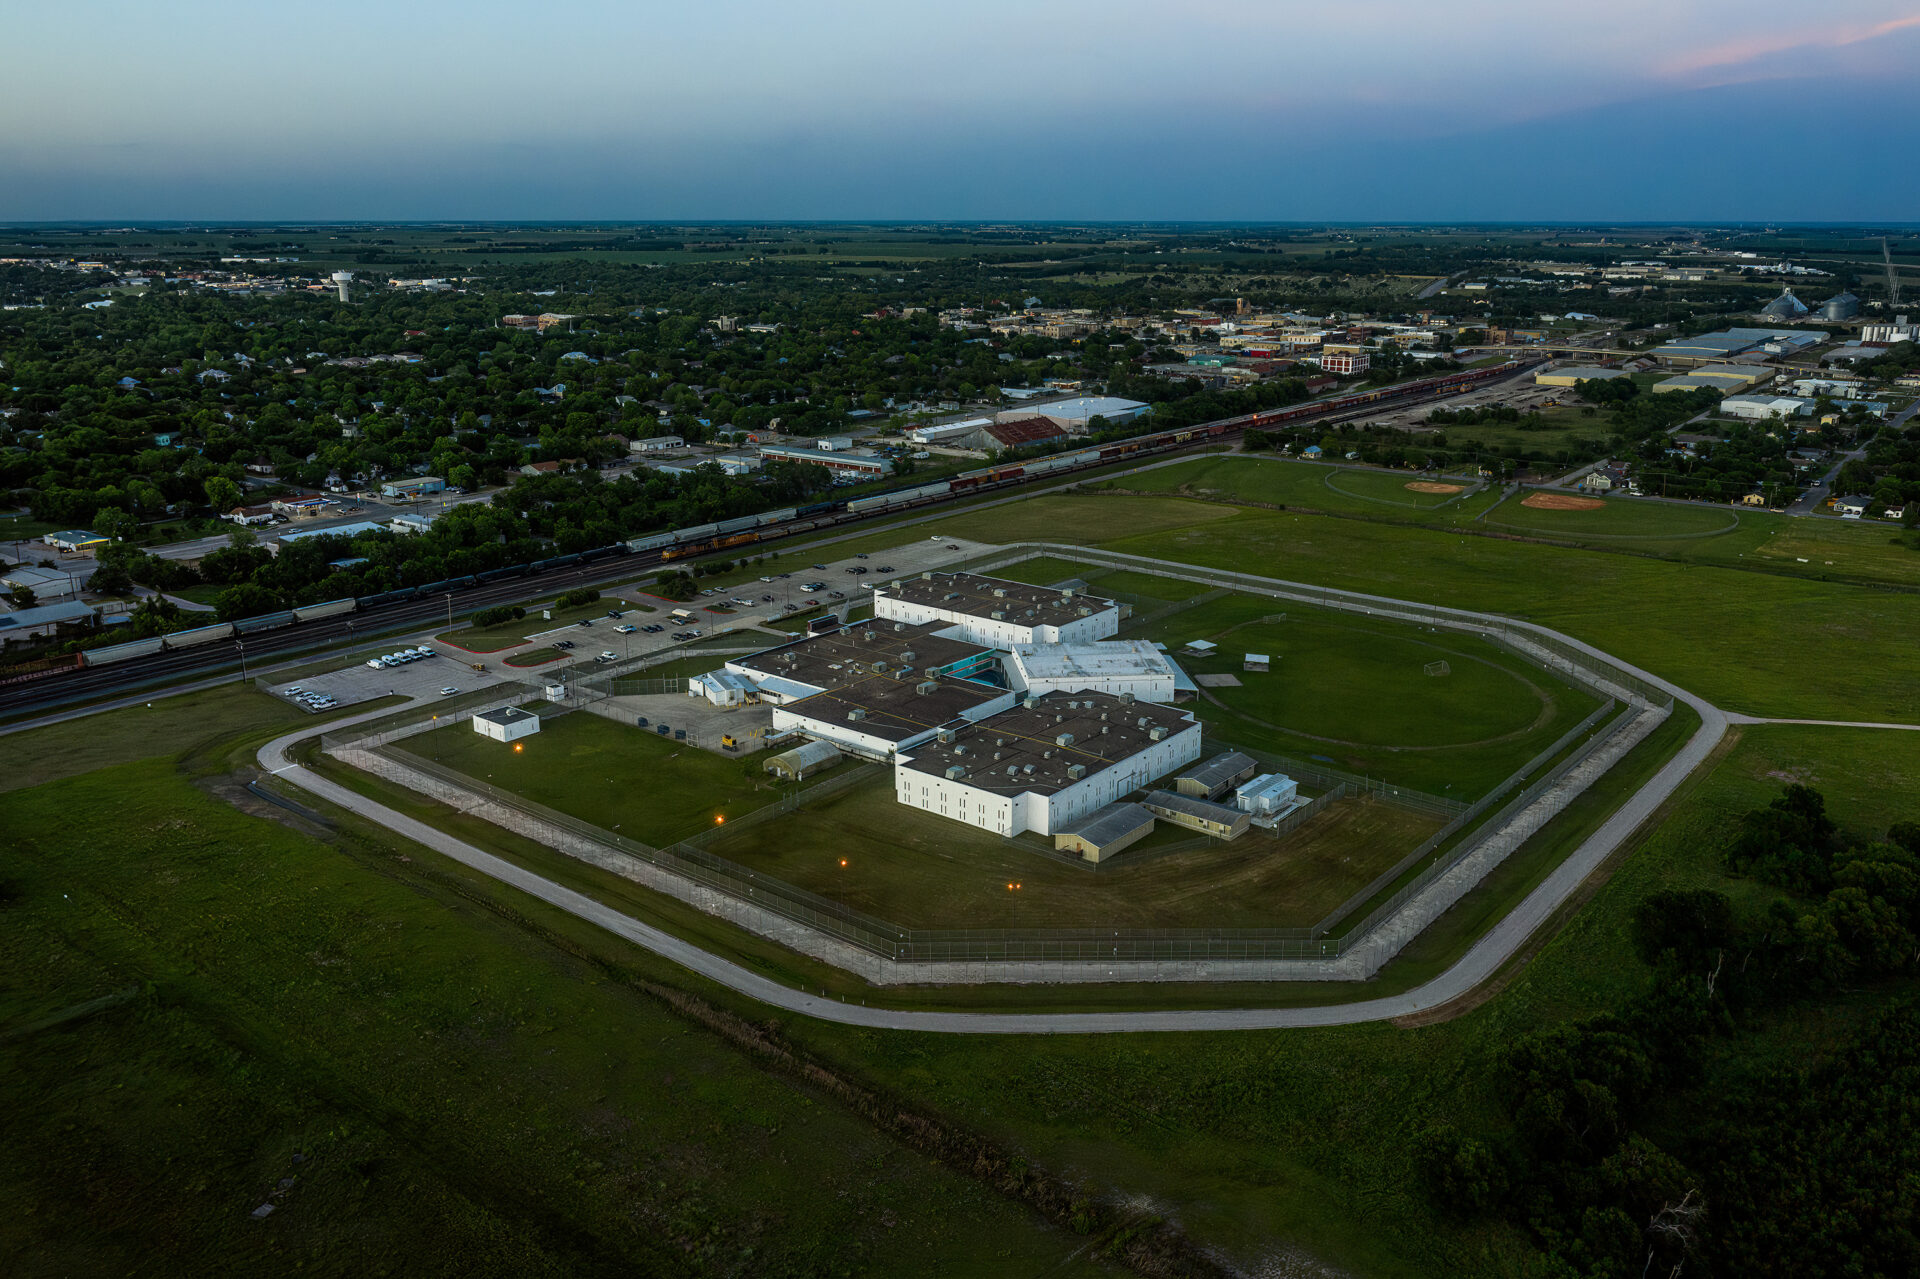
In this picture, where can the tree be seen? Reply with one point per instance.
(22, 596)
(111, 521)
(1685, 925)
(222, 493)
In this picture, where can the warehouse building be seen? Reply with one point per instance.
(414, 488)
(1222, 821)
(1708, 348)
(997, 613)
(1575, 375)
(1114, 666)
(1047, 763)
(1076, 416)
(44, 621)
(845, 466)
(74, 539)
(1106, 831)
(507, 724)
(1758, 408)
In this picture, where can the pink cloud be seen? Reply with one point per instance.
(1734, 53)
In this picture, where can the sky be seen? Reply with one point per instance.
(1367, 110)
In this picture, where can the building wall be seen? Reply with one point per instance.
(507, 732)
(960, 800)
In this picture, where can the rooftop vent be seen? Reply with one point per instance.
(1076, 771)
(960, 748)
(996, 757)
(951, 595)
(1029, 769)
(1104, 728)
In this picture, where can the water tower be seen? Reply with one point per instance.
(341, 280)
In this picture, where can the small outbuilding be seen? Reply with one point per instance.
(1105, 831)
(1218, 820)
(1268, 795)
(1217, 776)
(722, 688)
(804, 760)
(1256, 662)
(508, 724)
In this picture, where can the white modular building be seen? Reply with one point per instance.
(1113, 666)
(997, 613)
(1268, 795)
(1046, 763)
(507, 724)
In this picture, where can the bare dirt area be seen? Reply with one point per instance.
(1561, 502)
(1432, 486)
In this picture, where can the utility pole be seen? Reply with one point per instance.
(242, 646)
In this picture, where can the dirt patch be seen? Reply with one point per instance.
(1561, 502)
(1430, 486)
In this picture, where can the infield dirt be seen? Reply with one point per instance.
(1561, 502)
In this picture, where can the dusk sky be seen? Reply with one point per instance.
(1123, 109)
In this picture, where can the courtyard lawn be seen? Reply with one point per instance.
(921, 870)
(1354, 690)
(625, 779)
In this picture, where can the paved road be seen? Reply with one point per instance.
(1480, 962)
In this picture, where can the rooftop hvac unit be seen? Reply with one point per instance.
(899, 626)
(1076, 771)
(1013, 770)
(858, 712)
(999, 592)
(951, 595)
(1028, 768)
(1086, 612)
(867, 636)
(927, 686)
(1155, 733)
(1126, 699)
(955, 773)
(1065, 739)
(1141, 722)
(879, 667)
(959, 748)
(926, 577)
(907, 656)
(946, 737)
(996, 757)
(1067, 594)
(1104, 728)
(1046, 754)
(998, 615)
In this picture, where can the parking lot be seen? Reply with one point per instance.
(360, 683)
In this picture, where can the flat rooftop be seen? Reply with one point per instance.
(895, 710)
(977, 596)
(1107, 659)
(848, 656)
(1022, 749)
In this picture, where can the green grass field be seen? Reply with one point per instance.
(625, 779)
(1313, 485)
(924, 871)
(1624, 518)
(210, 1012)
(1734, 637)
(1264, 1143)
(1355, 689)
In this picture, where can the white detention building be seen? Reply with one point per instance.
(1045, 763)
(1115, 666)
(996, 613)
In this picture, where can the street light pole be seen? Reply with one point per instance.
(242, 646)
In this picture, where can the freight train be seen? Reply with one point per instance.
(747, 530)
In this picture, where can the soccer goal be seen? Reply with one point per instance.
(1438, 668)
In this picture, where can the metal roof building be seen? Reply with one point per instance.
(1123, 667)
(1104, 832)
(1221, 773)
(1218, 820)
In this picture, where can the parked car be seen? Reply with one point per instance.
(448, 691)
(884, 568)
(625, 630)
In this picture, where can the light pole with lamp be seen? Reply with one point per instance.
(242, 646)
